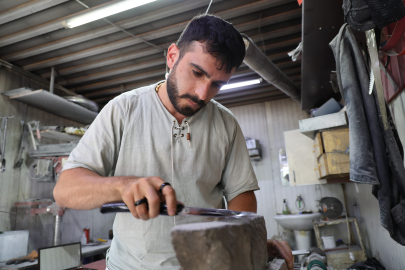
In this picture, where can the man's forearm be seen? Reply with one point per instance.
(244, 202)
(83, 189)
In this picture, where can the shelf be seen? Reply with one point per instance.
(61, 136)
(53, 150)
(311, 126)
(353, 248)
(334, 222)
(54, 104)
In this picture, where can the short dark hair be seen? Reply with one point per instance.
(221, 40)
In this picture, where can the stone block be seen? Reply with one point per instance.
(259, 240)
(234, 244)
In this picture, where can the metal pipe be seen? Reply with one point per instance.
(57, 231)
(52, 80)
(27, 9)
(263, 66)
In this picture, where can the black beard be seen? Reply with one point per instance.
(173, 93)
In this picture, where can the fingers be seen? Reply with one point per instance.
(129, 200)
(139, 193)
(171, 200)
(281, 249)
(153, 201)
(148, 187)
(290, 261)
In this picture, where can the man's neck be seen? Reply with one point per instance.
(164, 98)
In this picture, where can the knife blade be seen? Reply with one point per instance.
(180, 210)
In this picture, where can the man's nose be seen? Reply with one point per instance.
(202, 91)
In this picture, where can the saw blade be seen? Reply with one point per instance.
(371, 85)
(375, 67)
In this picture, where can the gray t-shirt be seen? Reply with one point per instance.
(134, 135)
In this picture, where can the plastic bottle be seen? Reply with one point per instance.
(83, 240)
(286, 210)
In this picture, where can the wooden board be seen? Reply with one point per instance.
(318, 145)
(332, 165)
(338, 163)
(322, 167)
(336, 140)
(341, 260)
(301, 162)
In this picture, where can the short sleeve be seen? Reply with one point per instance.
(99, 147)
(238, 175)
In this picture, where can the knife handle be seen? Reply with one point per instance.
(122, 207)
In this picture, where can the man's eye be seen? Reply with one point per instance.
(217, 85)
(196, 73)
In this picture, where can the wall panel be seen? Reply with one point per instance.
(252, 119)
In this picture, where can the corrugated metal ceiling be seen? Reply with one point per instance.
(100, 61)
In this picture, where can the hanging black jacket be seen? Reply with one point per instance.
(376, 155)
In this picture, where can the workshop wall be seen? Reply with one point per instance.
(15, 184)
(267, 122)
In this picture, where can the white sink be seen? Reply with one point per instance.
(297, 222)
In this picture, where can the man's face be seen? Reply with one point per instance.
(194, 80)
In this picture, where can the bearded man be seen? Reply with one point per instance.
(171, 132)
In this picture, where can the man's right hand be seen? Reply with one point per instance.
(83, 189)
(148, 187)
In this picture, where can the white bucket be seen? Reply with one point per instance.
(328, 241)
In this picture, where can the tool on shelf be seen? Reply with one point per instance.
(22, 145)
(31, 126)
(3, 150)
(29, 258)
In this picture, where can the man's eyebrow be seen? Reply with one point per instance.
(206, 73)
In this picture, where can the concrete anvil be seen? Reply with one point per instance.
(229, 244)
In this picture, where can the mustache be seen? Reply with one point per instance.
(194, 99)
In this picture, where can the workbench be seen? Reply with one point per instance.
(87, 251)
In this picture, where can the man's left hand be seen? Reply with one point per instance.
(281, 249)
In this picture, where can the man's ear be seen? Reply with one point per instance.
(173, 54)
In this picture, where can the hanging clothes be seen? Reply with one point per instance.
(376, 155)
